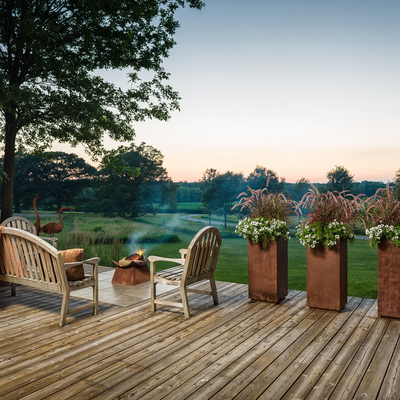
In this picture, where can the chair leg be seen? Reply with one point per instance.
(96, 299)
(13, 289)
(185, 302)
(64, 309)
(153, 294)
(214, 290)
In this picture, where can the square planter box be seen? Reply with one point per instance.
(268, 271)
(388, 279)
(327, 277)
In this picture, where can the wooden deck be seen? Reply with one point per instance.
(239, 349)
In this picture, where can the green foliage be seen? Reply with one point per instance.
(397, 183)
(321, 234)
(50, 87)
(117, 192)
(299, 189)
(61, 179)
(188, 192)
(157, 238)
(368, 188)
(262, 230)
(331, 217)
(381, 231)
(340, 179)
(260, 176)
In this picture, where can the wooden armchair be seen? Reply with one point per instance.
(199, 264)
(26, 225)
(27, 259)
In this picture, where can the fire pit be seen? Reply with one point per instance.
(131, 270)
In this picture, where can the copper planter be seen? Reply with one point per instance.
(388, 279)
(268, 271)
(327, 277)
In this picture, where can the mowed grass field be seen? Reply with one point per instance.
(165, 234)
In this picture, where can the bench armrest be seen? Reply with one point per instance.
(93, 261)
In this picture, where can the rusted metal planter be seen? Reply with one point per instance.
(268, 271)
(327, 277)
(388, 279)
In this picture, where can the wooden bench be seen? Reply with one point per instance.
(27, 259)
(199, 264)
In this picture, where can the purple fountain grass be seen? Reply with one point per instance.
(383, 207)
(331, 216)
(260, 203)
(328, 207)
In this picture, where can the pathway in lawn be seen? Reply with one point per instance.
(192, 217)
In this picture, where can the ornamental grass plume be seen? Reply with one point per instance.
(268, 216)
(267, 205)
(331, 216)
(383, 207)
(328, 207)
(382, 215)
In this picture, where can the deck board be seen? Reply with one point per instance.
(239, 349)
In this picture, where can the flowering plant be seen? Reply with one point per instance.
(331, 217)
(381, 231)
(262, 230)
(322, 234)
(268, 215)
(383, 216)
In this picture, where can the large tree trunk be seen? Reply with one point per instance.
(9, 164)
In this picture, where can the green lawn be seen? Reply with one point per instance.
(107, 237)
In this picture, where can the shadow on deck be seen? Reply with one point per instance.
(239, 349)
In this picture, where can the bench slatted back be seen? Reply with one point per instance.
(28, 258)
(20, 223)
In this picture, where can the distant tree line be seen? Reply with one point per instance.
(219, 192)
(132, 181)
(129, 181)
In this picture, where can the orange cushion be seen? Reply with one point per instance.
(73, 255)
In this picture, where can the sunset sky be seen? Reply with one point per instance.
(296, 86)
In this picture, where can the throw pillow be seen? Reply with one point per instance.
(73, 255)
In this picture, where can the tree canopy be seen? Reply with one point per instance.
(59, 177)
(119, 192)
(259, 177)
(340, 178)
(50, 87)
